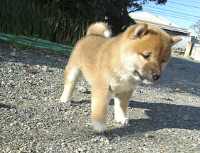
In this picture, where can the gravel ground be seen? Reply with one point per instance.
(164, 118)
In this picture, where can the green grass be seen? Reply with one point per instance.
(32, 42)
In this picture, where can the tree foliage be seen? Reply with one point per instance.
(60, 20)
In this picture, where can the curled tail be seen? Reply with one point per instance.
(99, 28)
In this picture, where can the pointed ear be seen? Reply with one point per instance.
(176, 39)
(140, 30)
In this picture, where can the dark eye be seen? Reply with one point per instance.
(146, 55)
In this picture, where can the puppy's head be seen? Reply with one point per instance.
(146, 51)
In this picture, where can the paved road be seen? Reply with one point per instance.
(164, 118)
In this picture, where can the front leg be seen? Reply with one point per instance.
(100, 100)
(121, 107)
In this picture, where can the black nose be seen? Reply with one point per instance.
(156, 77)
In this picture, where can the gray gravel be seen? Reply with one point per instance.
(164, 118)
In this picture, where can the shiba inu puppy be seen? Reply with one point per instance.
(113, 66)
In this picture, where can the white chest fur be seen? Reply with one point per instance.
(122, 84)
(124, 78)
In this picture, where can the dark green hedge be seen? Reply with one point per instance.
(63, 20)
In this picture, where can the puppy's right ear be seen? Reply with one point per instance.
(175, 39)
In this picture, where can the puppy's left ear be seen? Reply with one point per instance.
(176, 39)
(136, 31)
(140, 30)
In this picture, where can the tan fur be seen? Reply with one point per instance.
(114, 66)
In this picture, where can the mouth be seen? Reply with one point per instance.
(141, 79)
(138, 76)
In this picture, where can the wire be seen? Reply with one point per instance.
(172, 15)
(182, 4)
(182, 8)
(192, 2)
(177, 12)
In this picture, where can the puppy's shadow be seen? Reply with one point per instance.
(160, 116)
(78, 103)
(7, 106)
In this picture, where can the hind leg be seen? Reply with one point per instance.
(70, 77)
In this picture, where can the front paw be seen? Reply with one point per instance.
(99, 126)
(63, 99)
(123, 121)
